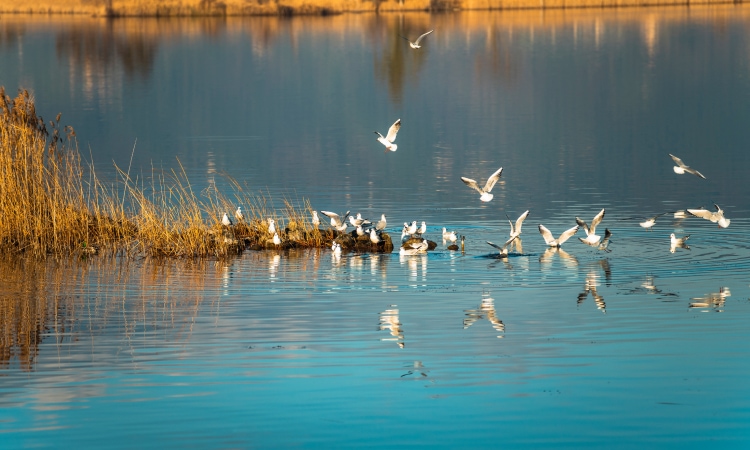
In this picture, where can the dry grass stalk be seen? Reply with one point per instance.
(53, 204)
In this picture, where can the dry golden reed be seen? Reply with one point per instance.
(53, 204)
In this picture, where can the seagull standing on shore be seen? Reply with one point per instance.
(226, 221)
(681, 167)
(485, 195)
(390, 137)
(271, 226)
(315, 219)
(374, 238)
(380, 226)
(276, 239)
(238, 214)
(415, 44)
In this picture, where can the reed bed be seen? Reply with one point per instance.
(54, 204)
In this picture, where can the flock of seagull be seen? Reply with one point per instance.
(412, 242)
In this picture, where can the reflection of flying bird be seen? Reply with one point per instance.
(591, 236)
(515, 231)
(390, 137)
(681, 167)
(415, 44)
(715, 217)
(568, 259)
(715, 299)
(486, 309)
(590, 287)
(551, 241)
(485, 195)
(504, 249)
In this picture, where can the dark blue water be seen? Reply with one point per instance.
(579, 348)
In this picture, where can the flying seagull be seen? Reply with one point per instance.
(415, 44)
(551, 241)
(336, 221)
(504, 248)
(388, 140)
(715, 217)
(681, 167)
(591, 236)
(515, 231)
(484, 192)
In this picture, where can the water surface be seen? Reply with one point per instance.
(579, 348)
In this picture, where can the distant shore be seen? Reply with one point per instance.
(177, 8)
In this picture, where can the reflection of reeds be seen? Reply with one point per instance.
(53, 204)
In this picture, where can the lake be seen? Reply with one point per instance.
(639, 345)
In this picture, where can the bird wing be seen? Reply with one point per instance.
(583, 225)
(694, 172)
(472, 184)
(393, 130)
(405, 38)
(520, 220)
(597, 219)
(420, 37)
(702, 213)
(547, 235)
(567, 235)
(379, 135)
(677, 161)
(333, 216)
(492, 180)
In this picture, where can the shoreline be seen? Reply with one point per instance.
(238, 8)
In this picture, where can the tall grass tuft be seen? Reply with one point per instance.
(53, 204)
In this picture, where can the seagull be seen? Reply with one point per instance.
(647, 222)
(715, 217)
(360, 230)
(315, 219)
(336, 221)
(504, 248)
(515, 231)
(276, 239)
(449, 235)
(604, 244)
(675, 242)
(357, 221)
(422, 229)
(415, 44)
(380, 226)
(388, 140)
(226, 220)
(485, 195)
(681, 167)
(271, 226)
(414, 248)
(238, 214)
(411, 229)
(551, 241)
(374, 238)
(591, 237)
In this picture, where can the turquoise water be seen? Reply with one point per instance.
(634, 347)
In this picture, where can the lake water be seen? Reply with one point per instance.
(580, 348)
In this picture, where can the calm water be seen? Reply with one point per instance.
(578, 348)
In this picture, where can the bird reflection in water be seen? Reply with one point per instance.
(417, 265)
(714, 300)
(273, 266)
(486, 310)
(389, 321)
(568, 260)
(592, 281)
(417, 369)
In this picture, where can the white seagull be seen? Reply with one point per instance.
(226, 220)
(411, 229)
(646, 222)
(485, 195)
(504, 249)
(374, 238)
(315, 219)
(675, 242)
(388, 140)
(715, 217)
(357, 221)
(422, 229)
(238, 214)
(681, 167)
(515, 231)
(415, 44)
(591, 236)
(276, 239)
(336, 221)
(414, 248)
(271, 226)
(380, 226)
(449, 235)
(551, 241)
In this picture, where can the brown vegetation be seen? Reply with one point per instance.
(53, 204)
(163, 8)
